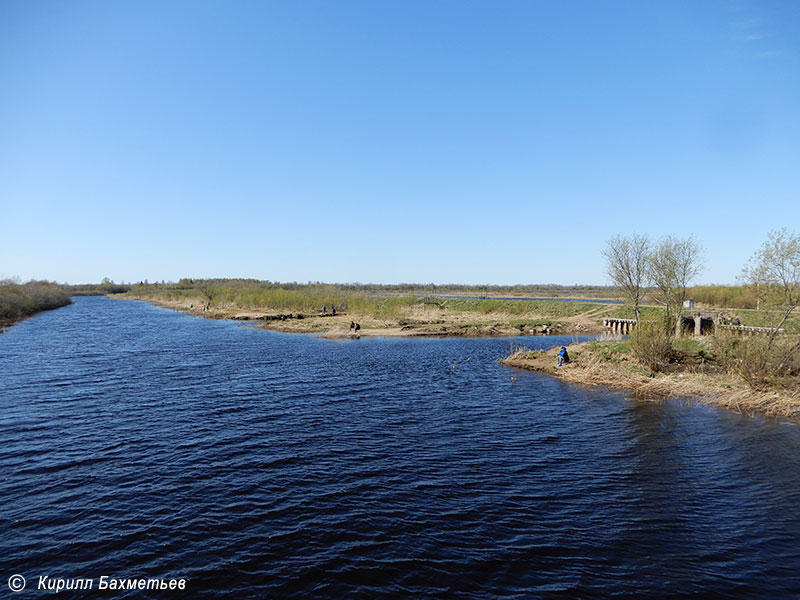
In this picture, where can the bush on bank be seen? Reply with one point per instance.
(18, 301)
(761, 362)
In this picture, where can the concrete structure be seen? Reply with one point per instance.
(750, 330)
(696, 324)
(621, 326)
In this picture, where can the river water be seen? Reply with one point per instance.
(140, 442)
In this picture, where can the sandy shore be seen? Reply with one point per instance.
(686, 381)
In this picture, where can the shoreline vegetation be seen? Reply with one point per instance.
(20, 301)
(695, 372)
(390, 312)
(743, 366)
(410, 310)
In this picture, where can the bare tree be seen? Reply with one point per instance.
(206, 288)
(626, 265)
(672, 265)
(775, 269)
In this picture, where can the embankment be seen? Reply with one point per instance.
(20, 301)
(599, 364)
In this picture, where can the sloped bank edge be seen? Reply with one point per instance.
(723, 391)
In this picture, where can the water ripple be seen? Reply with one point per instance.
(136, 441)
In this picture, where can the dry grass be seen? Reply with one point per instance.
(400, 318)
(727, 391)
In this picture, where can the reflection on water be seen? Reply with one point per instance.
(136, 441)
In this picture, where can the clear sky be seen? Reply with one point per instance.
(470, 142)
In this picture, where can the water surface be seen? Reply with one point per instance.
(140, 442)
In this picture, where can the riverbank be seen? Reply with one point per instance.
(690, 377)
(453, 318)
(21, 301)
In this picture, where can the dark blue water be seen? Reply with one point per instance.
(140, 442)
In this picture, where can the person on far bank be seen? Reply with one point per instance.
(563, 356)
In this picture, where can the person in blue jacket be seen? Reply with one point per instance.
(563, 356)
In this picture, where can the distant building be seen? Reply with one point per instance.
(688, 304)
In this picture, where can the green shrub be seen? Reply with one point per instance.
(651, 343)
(19, 301)
(752, 357)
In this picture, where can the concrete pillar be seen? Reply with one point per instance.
(698, 325)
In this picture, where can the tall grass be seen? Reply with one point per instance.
(651, 343)
(760, 364)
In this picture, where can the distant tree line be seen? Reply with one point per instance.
(419, 289)
(727, 296)
(107, 286)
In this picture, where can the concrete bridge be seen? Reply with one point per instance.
(621, 326)
(745, 329)
(696, 324)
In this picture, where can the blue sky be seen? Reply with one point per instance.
(471, 142)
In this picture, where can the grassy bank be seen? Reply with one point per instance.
(696, 370)
(19, 301)
(389, 314)
(393, 310)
